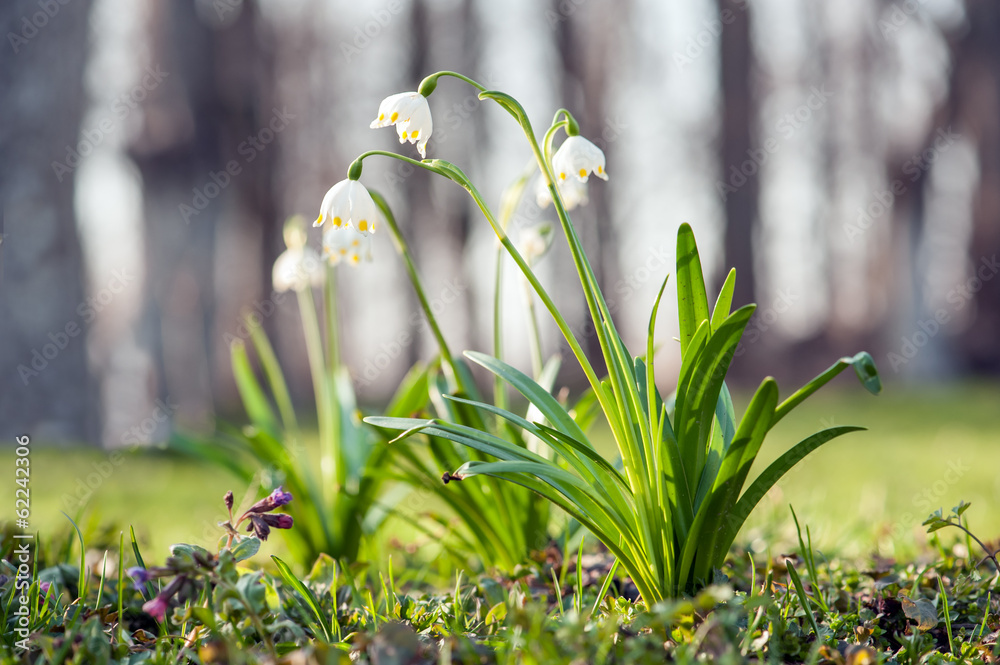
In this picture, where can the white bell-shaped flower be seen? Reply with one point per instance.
(578, 158)
(534, 242)
(346, 244)
(348, 203)
(297, 269)
(299, 266)
(411, 114)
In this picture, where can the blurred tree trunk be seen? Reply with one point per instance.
(206, 154)
(737, 141)
(47, 391)
(446, 37)
(975, 109)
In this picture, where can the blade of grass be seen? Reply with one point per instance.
(148, 586)
(605, 586)
(947, 616)
(82, 578)
(803, 599)
(121, 584)
(307, 596)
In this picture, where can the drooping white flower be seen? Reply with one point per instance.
(299, 266)
(346, 244)
(411, 114)
(297, 269)
(573, 192)
(534, 242)
(348, 203)
(578, 158)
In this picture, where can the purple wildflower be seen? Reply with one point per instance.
(139, 574)
(278, 520)
(259, 527)
(278, 497)
(156, 608)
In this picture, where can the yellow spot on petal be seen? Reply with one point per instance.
(337, 222)
(319, 220)
(583, 173)
(355, 259)
(414, 133)
(363, 225)
(343, 251)
(562, 176)
(600, 169)
(355, 243)
(393, 117)
(381, 117)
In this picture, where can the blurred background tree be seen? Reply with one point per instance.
(844, 157)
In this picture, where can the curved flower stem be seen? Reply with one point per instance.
(314, 351)
(430, 82)
(331, 446)
(534, 336)
(403, 248)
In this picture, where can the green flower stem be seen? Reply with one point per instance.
(625, 410)
(403, 248)
(314, 351)
(595, 300)
(430, 82)
(534, 336)
(533, 280)
(499, 388)
(331, 446)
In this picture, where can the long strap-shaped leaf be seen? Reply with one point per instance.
(772, 474)
(698, 396)
(750, 433)
(538, 396)
(692, 301)
(864, 367)
(621, 541)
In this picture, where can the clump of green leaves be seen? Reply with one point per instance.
(937, 521)
(672, 512)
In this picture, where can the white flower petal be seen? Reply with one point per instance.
(364, 212)
(389, 106)
(332, 208)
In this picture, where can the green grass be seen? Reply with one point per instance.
(852, 493)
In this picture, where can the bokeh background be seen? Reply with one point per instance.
(844, 157)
